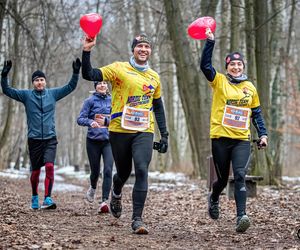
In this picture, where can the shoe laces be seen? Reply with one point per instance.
(48, 200)
(137, 222)
(214, 205)
(91, 191)
(116, 202)
(242, 216)
(35, 198)
(103, 203)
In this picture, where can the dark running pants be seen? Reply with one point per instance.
(237, 152)
(137, 147)
(96, 149)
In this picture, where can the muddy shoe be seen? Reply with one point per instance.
(139, 227)
(242, 224)
(103, 208)
(48, 204)
(90, 195)
(116, 205)
(35, 202)
(213, 208)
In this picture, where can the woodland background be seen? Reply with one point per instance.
(46, 35)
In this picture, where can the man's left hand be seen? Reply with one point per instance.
(163, 144)
(76, 66)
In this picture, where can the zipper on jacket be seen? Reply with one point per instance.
(42, 112)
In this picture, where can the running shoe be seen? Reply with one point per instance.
(242, 223)
(138, 226)
(35, 202)
(90, 194)
(103, 208)
(48, 203)
(116, 205)
(213, 208)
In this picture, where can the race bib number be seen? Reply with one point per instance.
(135, 119)
(236, 117)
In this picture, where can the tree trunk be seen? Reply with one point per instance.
(263, 165)
(2, 15)
(277, 121)
(189, 82)
(224, 37)
(250, 41)
(5, 139)
(235, 38)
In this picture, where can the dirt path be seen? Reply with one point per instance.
(176, 217)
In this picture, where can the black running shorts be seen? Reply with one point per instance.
(41, 151)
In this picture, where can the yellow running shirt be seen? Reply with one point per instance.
(133, 90)
(231, 108)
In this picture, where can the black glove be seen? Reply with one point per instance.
(76, 66)
(6, 68)
(162, 145)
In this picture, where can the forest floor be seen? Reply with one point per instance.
(176, 216)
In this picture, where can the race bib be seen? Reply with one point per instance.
(135, 119)
(236, 117)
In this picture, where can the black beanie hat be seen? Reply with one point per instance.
(96, 83)
(142, 38)
(234, 56)
(37, 74)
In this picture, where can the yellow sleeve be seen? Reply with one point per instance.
(255, 100)
(157, 93)
(217, 79)
(109, 72)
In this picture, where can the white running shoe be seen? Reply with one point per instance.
(90, 195)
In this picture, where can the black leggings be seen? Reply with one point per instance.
(226, 150)
(94, 150)
(137, 147)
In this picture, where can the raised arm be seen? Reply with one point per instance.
(205, 60)
(88, 72)
(61, 92)
(13, 93)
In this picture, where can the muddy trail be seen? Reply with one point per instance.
(176, 216)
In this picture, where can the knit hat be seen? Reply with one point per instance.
(96, 83)
(37, 74)
(142, 38)
(234, 56)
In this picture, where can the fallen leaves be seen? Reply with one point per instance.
(176, 217)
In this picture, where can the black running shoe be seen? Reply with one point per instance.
(242, 224)
(139, 227)
(213, 208)
(116, 206)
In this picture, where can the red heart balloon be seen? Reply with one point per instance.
(91, 24)
(197, 29)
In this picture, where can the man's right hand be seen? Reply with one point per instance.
(209, 34)
(88, 43)
(6, 68)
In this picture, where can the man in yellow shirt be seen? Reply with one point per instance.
(136, 94)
